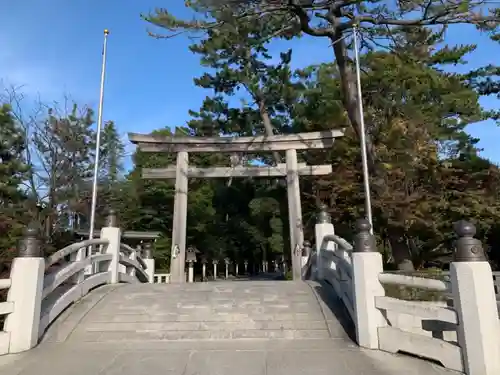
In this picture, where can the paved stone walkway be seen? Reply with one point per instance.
(240, 327)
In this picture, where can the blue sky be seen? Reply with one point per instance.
(53, 47)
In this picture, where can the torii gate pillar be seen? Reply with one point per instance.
(294, 212)
(178, 256)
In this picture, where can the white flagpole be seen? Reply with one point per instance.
(98, 140)
(362, 131)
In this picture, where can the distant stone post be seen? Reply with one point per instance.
(478, 331)
(236, 268)
(324, 227)
(204, 262)
(227, 261)
(149, 261)
(25, 292)
(367, 265)
(215, 263)
(191, 259)
(245, 265)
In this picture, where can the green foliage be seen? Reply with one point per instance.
(13, 170)
(412, 100)
(425, 168)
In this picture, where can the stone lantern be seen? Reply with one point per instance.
(191, 260)
(245, 264)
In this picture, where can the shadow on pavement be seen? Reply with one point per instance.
(327, 294)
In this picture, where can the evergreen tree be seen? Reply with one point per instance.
(64, 145)
(243, 64)
(381, 25)
(112, 153)
(13, 172)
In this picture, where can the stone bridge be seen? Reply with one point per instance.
(336, 319)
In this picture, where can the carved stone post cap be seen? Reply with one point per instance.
(364, 241)
(323, 216)
(363, 225)
(29, 246)
(31, 230)
(463, 228)
(468, 248)
(215, 261)
(111, 220)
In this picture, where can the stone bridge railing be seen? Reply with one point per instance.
(39, 288)
(462, 334)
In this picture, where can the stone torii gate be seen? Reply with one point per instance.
(182, 171)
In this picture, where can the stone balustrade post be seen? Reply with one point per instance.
(204, 262)
(227, 261)
(367, 265)
(323, 227)
(478, 331)
(215, 263)
(113, 234)
(190, 272)
(27, 277)
(79, 256)
(236, 269)
(149, 261)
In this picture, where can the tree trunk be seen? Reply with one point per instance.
(400, 249)
(264, 115)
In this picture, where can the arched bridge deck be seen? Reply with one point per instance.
(244, 327)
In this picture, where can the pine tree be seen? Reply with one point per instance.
(12, 167)
(112, 153)
(243, 65)
(13, 171)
